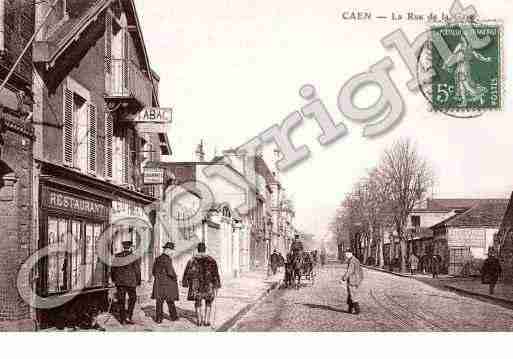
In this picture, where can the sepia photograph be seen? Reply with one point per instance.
(245, 166)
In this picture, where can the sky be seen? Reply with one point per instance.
(231, 69)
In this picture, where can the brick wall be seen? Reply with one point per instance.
(15, 222)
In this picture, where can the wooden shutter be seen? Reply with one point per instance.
(109, 129)
(127, 148)
(126, 62)
(93, 139)
(67, 128)
(108, 52)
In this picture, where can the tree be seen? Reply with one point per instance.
(408, 178)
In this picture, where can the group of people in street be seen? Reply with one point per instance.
(201, 277)
(431, 263)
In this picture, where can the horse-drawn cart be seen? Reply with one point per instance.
(299, 265)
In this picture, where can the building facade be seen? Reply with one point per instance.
(91, 85)
(16, 144)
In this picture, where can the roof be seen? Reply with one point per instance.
(458, 203)
(484, 214)
(262, 169)
(507, 220)
(85, 12)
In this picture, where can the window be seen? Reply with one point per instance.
(80, 268)
(79, 128)
(415, 221)
(61, 9)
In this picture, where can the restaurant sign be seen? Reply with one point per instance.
(54, 199)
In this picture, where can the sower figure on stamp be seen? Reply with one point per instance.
(202, 278)
(126, 275)
(466, 88)
(165, 285)
(491, 270)
(353, 279)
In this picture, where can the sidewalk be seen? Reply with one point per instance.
(472, 286)
(235, 298)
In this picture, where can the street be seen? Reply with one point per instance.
(389, 303)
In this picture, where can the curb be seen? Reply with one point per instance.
(388, 272)
(227, 325)
(482, 295)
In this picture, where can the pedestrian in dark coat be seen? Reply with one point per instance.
(491, 271)
(165, 285)
(435, 265)
(126, 275)
(202, 278)
(276, 259)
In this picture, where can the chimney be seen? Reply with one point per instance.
(200, 153)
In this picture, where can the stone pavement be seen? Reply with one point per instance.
(471, 286)
(388, 303)
(235, 298)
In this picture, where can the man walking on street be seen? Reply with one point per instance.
(435, 266)
(491, 270)
(414, 263)
(353, 279)
(126, 275)
(165, 285)
(202, 278)
(276, 261)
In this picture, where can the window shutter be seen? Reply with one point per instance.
(126, 62)
(108, 43)
(109, 129)
(126, 156)
(67, 127)
(93, 133)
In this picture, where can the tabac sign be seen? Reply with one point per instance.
(153, 119)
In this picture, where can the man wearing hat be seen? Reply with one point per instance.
(353, 279)
(165, 285)
(126, 275)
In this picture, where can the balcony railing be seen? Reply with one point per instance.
(127, 81)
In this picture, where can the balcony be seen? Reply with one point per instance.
(127, 83)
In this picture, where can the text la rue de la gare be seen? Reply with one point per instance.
(366, 15)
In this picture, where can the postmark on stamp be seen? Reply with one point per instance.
(470, 77)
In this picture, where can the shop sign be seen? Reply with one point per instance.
(153, 176)
(155, 115)
(467, 237)
(153, 120)
(125, 208)
(54, 199)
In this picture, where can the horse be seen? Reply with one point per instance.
(307, 266)
(293, 269)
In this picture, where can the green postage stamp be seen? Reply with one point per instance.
(469, 76)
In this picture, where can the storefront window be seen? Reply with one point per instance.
(79, 268)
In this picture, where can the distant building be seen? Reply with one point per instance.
(467, 236)
(504, 243)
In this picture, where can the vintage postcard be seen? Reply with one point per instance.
(256, 166)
